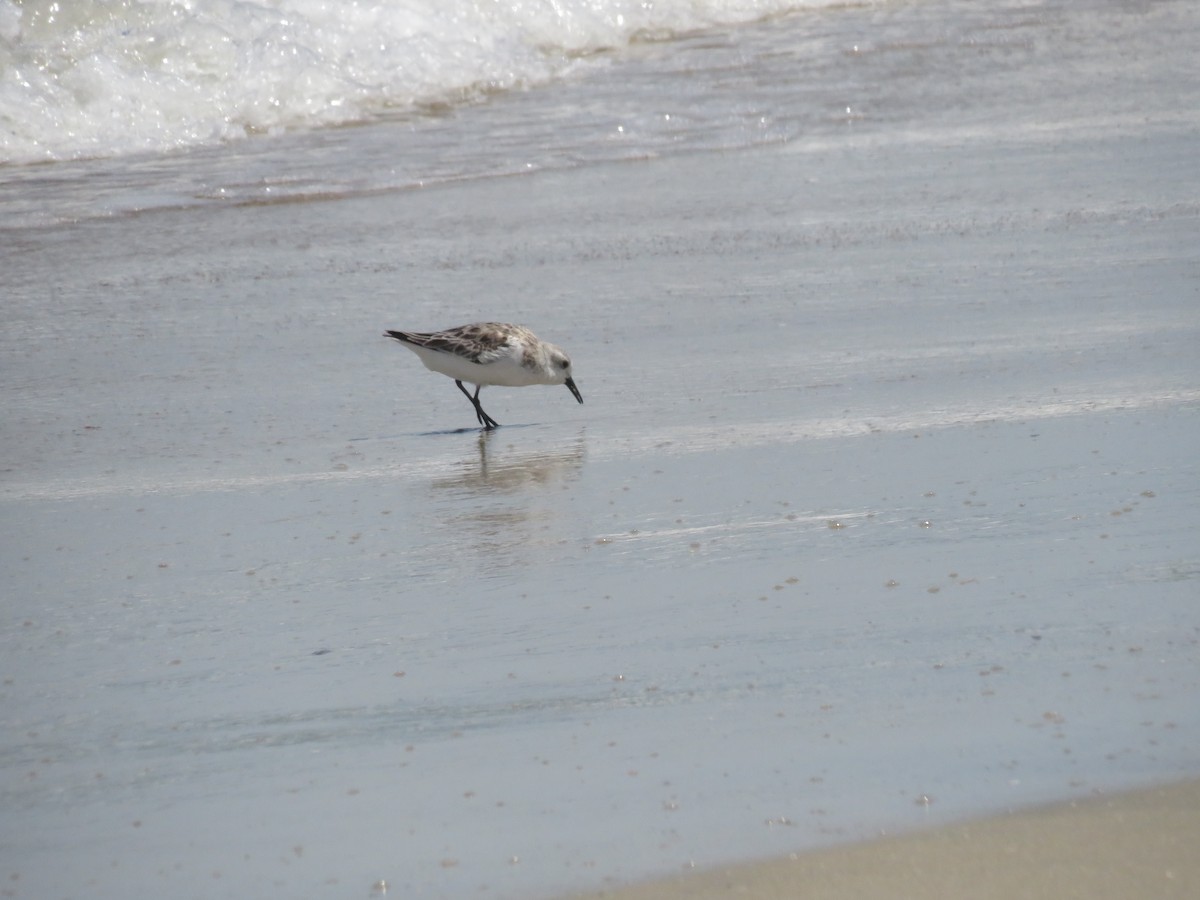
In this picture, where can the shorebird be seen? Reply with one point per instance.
(490, 353)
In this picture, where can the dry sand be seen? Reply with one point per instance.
(1137, 844)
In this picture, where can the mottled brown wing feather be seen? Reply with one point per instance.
(478, 343)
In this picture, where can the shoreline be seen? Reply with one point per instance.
(1135, 843)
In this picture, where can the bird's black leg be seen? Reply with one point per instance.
(484, 419)
(474, 402)
(488, 422)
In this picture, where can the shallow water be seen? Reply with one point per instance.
(105, 78)
(892, 71)
(880, 511)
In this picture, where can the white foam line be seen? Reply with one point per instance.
(774, 523)
(676, 441)
(76, 489)
(698, 439)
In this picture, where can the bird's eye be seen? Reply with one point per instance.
(565, 364)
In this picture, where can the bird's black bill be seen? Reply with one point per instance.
(570, 383)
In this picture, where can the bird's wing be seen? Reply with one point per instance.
(480, 343)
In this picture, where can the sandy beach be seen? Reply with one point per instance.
(873, 544)
(1139, 844)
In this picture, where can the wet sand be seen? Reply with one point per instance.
(884, 486)
(1136, 844)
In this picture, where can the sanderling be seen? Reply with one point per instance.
(490, 353)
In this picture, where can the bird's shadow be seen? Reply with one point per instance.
(484, 432)
(474, 429)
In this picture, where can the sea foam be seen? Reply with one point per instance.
(96, 78)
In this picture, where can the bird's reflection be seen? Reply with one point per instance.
(505, 505)
(499, 470)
